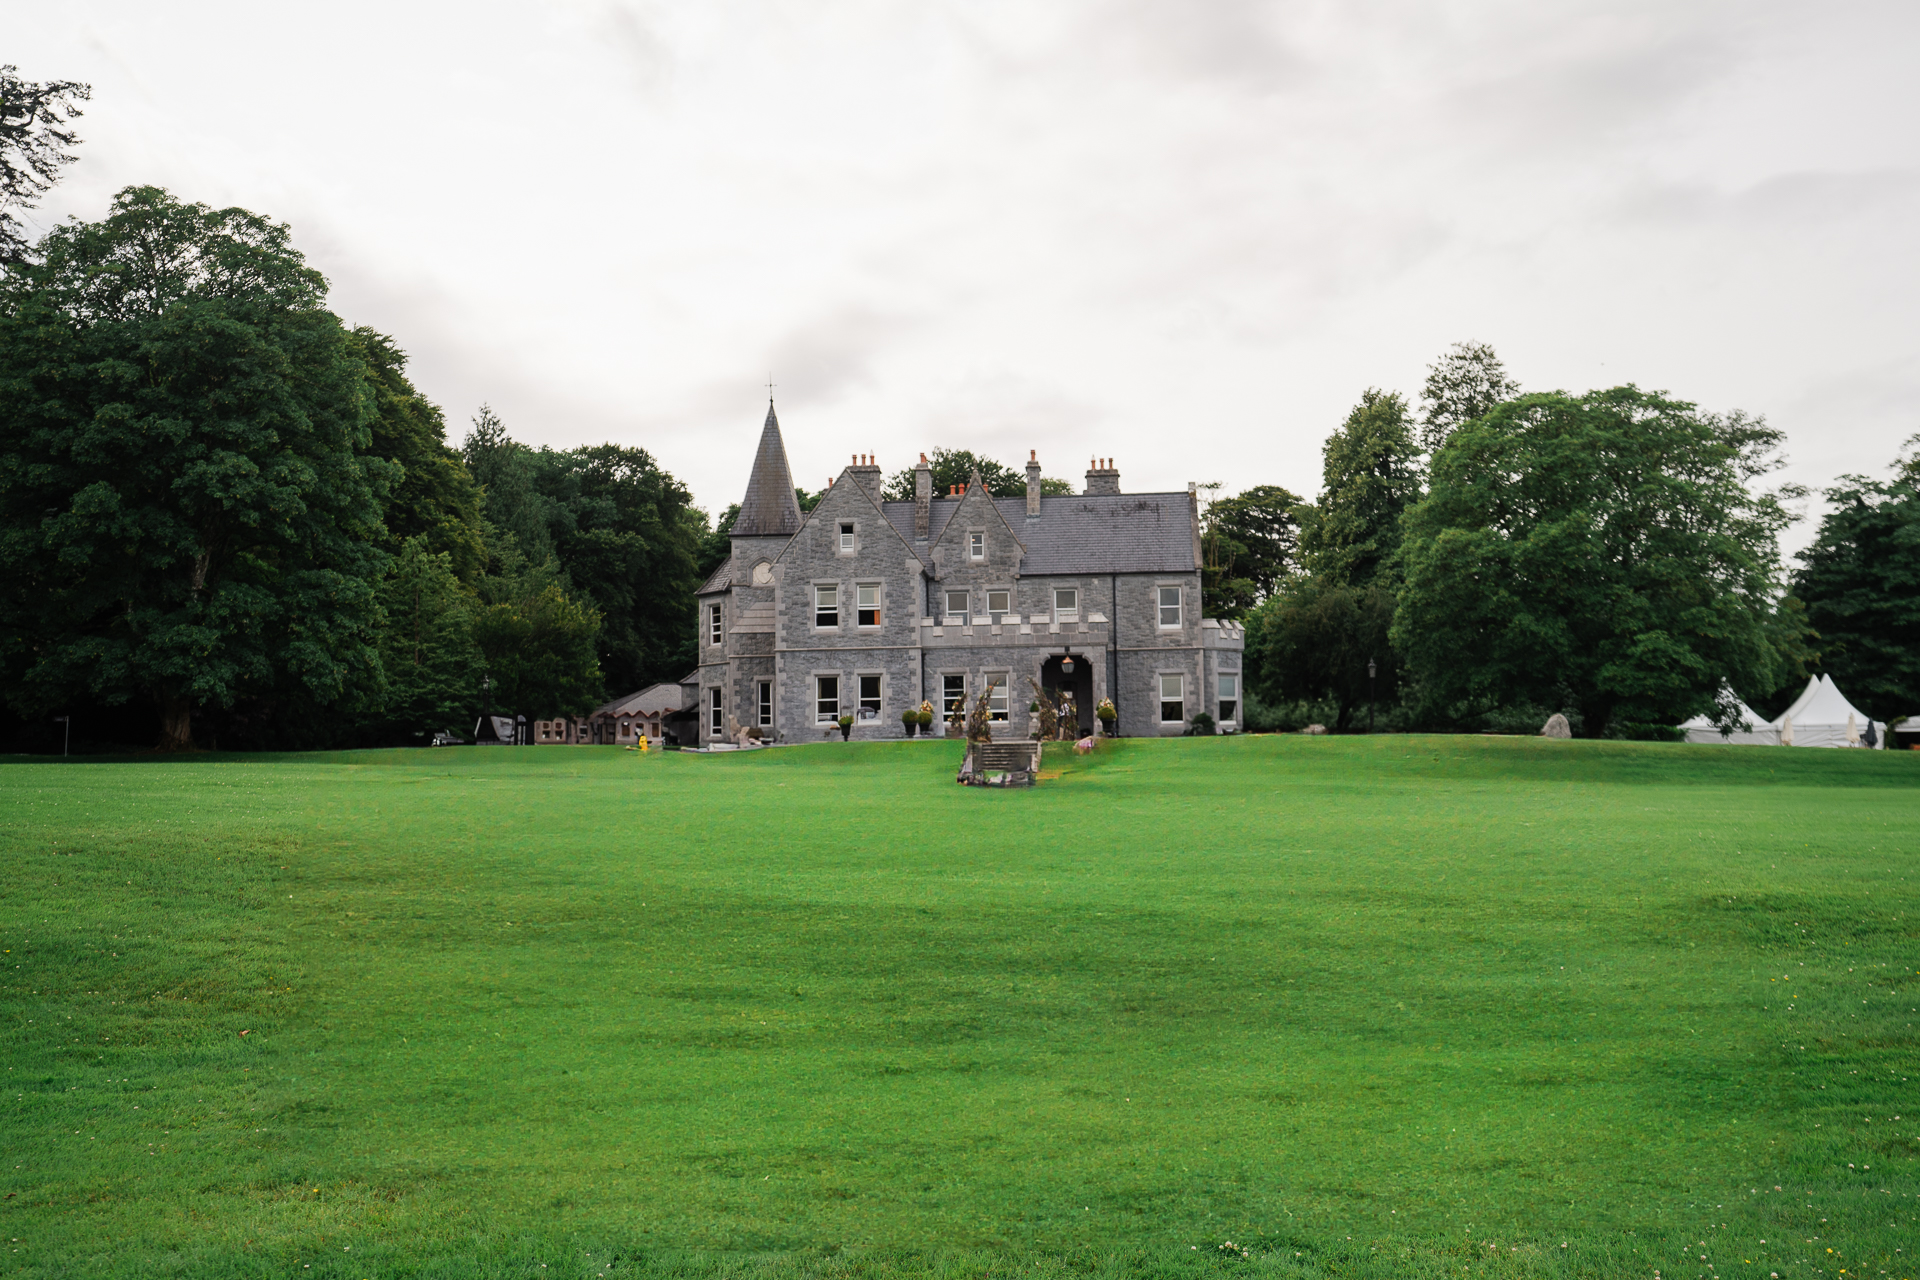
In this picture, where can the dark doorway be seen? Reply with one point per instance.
(1077, 683)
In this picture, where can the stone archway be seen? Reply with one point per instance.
(1056, 679)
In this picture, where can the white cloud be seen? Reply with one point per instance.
(1185, 236)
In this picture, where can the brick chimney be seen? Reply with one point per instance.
(867, 472)
(1102, 478)
(1033, 483)
(922, 498)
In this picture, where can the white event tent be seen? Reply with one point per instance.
(1822, 717)
(1757, 732)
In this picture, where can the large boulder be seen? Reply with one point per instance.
(1557, 727)
(1315, 729)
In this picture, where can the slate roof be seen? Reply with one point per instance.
(1084, 533)
(769, 510)
(722, 579)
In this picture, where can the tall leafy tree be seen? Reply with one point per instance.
(1370, 475)
(188, 513)
(623, 534)
(1860, 581)
(1462, 385)
(537, 641)
(428, 655)
(35, 145)
(504, 470)
(952, 467)
(435, 497)
(1250, 545)
(1315, 639)
(629, 537)
(1606, 551)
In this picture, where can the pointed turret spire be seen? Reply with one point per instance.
(769, 510)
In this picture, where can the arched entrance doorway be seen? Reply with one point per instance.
(1071, 674)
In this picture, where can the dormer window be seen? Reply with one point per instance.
(846, 537)
(977, 546)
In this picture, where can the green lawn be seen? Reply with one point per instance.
(1365, 1006)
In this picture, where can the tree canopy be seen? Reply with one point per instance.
(954, 467)
(188, 511)
(1605, 552)
(1250, 544)
(35, 145)
(1370, 475)
(624, 534)
(1461, 385)
(1860, 582)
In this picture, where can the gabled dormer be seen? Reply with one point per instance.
(976, 543)
(848, 577)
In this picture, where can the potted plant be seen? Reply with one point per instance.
(924, 718)
(1107, 714)
(910, 720)
(846, 727)
(1202, 726)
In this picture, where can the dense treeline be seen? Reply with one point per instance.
(226, 516)
(1613, 556)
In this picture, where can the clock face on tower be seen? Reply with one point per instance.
(762, 574)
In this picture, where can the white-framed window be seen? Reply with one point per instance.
(976, 546)
(1066, 604)
(869, 698)
(846, 536)
(1229, 696)
(999, 605)
(1173, 699)
(826, 606)
(1169, 606)
(998, 702)
(716, 713)
(958, 609)
(826, 699)
(713, 624)
(866, 603)
(953, 695)
(765, 699)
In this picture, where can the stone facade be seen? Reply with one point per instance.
(871, 607)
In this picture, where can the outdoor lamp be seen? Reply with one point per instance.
(1066, 665)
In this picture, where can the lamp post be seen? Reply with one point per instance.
(66, 742)
(1371, 672)
(486, 705)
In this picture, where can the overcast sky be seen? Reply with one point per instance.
(1185, 235)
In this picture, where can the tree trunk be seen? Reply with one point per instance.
(1594, 717)
(176, 725)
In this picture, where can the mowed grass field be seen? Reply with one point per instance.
(1364, 1007)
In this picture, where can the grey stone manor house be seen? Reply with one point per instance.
(863, 607)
